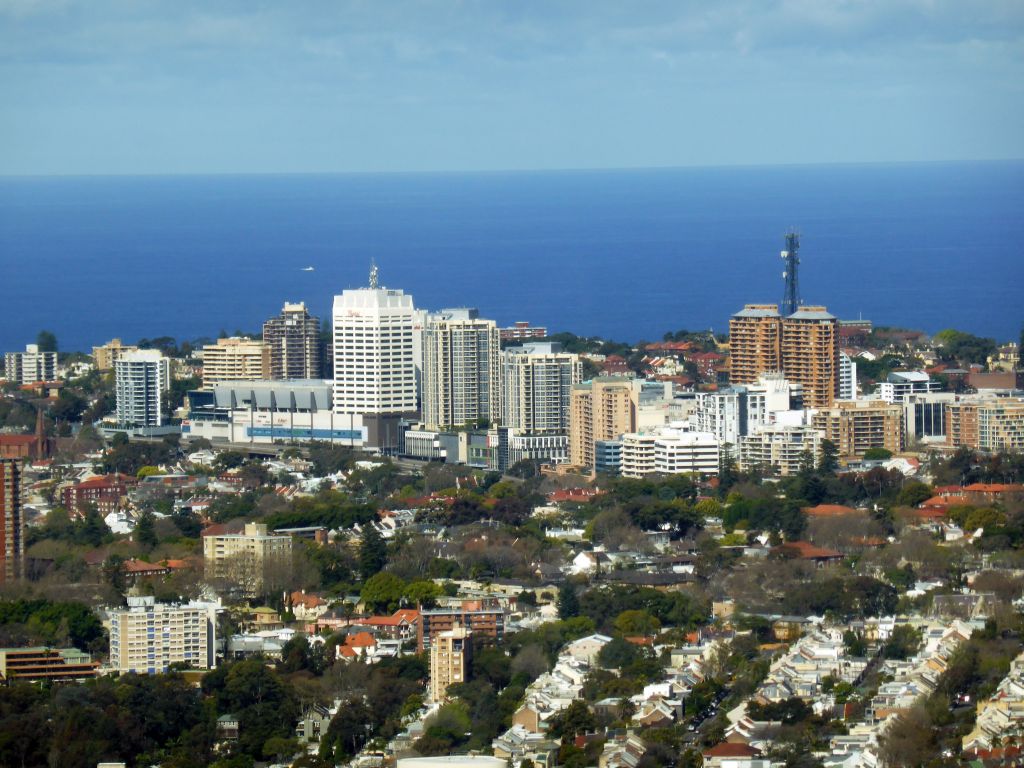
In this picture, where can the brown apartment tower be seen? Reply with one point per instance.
(804, 346)
(12, 522)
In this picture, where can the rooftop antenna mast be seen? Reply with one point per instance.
(791, 298)
(373, 274)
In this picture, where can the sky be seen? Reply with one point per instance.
(147, 86)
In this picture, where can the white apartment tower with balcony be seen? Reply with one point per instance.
(537, 381)
(141, 379)
(461, 372)
(373, 348)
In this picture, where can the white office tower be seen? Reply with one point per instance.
(537, 381)
(374, 367)
(141, 379)
(461, 379)
(847, 377)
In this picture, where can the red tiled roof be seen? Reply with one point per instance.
(944, 501)
(829, 510)
(17, 439)
(360, 640)
(807, 551)
(994, 488)
(141, 566)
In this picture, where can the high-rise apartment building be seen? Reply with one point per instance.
(804, 346)
(374, 361)
(810, 354)
(461, 374)
(235, 359)
(30, 366)
(141, 379)
(522, 330)
(602, 409)
(147, 637)
(854, 426)
(451, 654)
(754, 337)
(537, 380)
(105, 356)
(12, 521)
(293, 338)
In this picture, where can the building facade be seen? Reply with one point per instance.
(669, 451)
(782, 448)
(451, 653)
(30, 366)
(602, 409)
(12, 521)
(485, 619)
(804, 346)
(754, 336)
(537, 380)
(461, 371)
(235, 359)
(374, 363)
(847, 377)
(810, 354)
(855, 426)
(141, 379)
(293, 339)
(107, 355)
(995, 424)
(272, 411)
(243, 557)
(147, 637)
(522, 330)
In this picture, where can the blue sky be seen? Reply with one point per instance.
(144, 86)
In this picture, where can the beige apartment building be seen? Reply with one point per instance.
(450, 655)
(854, 426)
(602, 409)
(147, 637)
(106, 356)
(243, 557)
(235, 359)
(754, 339)
(996, 424)
(804, 346)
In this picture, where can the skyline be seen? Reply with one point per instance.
(154, 88)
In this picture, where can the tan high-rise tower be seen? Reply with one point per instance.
(450, 656)
(602, 409)
(810, 354)
(754, 339)
(804, 346)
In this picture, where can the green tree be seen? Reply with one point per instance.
(47, 341)
(373, 551)
(568, 601)
(829, 461)
(382, 592)
(145, 530)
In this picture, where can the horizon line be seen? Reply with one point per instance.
(510, 171)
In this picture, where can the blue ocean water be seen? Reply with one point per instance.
(625, 254)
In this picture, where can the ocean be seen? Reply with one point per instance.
(625, 254)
